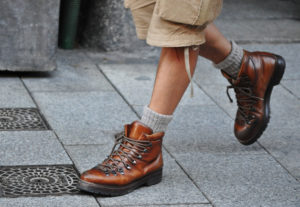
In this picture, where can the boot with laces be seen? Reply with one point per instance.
(259, 73)
(135, 160)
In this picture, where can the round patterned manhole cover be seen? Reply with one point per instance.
(21, 119)
(38, 180)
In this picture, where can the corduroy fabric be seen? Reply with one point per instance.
(232, 63)
(157, 122)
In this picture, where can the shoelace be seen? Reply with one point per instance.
(245, 98)
(134, 147)
(188, 68)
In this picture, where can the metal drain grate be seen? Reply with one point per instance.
(21, 119)
(37, 180)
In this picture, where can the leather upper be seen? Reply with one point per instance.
(253, 80)
(150, 161)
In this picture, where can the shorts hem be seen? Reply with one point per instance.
(174, 43)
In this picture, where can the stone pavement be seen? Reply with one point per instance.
(88, 99)
(51, 122)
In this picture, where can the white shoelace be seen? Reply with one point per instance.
(188, 68)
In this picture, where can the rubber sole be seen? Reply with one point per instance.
(112, 190)
(275, 80)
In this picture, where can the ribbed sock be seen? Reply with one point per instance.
(232, 63)
(157, 122)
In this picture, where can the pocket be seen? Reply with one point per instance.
(191, 12)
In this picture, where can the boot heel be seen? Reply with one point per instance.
(279, 70)
(154, 178)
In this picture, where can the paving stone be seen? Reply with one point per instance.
(31, 148)
(71, 57)
(83, 76)
(193, 117)
(88, 156)
(180, 205)
(268, 9)
(176, 187)
(217, 140)
(293, 86)
(135, 82)
(13, 93)
(260, 30)
(241, 180)
(284, 108)
(218, 93)
(287, 51)
(144, 55)
(84, 117)
(283, 144)
(50, 201)
(207, 74)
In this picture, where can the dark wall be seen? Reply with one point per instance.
(106, 25)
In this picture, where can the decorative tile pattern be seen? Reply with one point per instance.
(37, 180)
(21, 119)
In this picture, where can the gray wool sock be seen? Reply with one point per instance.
(232, 63)
(157, 122)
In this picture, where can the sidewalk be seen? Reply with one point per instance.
(56, 125)
(86, 101)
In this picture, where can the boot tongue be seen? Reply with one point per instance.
(136, 129)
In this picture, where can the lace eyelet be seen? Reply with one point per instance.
(114, 173)
(107, 174)
(121, 171)
(128, 167)
(133, 162)
(145, 150)
(140, 157)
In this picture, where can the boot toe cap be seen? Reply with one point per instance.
(92, 176)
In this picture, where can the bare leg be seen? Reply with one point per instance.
(171, 79)
(217, 47)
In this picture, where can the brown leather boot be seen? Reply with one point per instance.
(135, 160)
(259, 72)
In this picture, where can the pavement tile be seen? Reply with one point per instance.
(218, 93)
(31, 148)
(260, 30)
(287, 51)
(207, 74)
(219, 140)
(88, 156)
(244, 180)
(179, 205)
(84, 117)
(135, 82)
(284, 108)
(71, 57)
(267, 9)
(13, 94)
(83, 76)
(176, 186)
(283, 144)
(50, 201)
(193, 117)
(293, 86)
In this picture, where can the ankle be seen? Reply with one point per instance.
(156, 121)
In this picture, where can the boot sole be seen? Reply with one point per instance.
(113, 190)
(275, 80)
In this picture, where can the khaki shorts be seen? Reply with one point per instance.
(159, 32)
